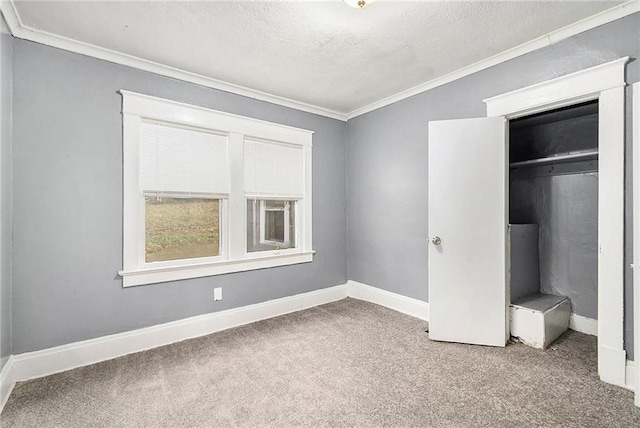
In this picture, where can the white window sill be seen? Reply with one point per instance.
(173, 273)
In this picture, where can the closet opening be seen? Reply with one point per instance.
(553, 221)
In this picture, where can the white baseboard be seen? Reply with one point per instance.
(73, 355)
(45, 362)
(630, 382)
(406, 305)
(583, 324)
(612, 365)
(6, 382)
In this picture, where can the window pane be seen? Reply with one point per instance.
(181, 228)
(271, 225)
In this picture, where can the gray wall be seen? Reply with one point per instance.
(524, 263)
(566, 209)
(387, 158)
(6, 44)
(67, 246)
(67, 202)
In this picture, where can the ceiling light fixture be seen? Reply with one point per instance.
(359, 4)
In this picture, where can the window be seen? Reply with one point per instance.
(181, 228)
(208, 193)
(271, 225)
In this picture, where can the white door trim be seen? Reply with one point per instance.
(636, 235)
(583, 85)
(605, 83)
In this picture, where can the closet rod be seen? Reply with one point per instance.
(592, 154)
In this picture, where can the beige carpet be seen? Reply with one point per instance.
(348, 363)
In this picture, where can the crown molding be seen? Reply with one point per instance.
(20, 30)
(549, 39)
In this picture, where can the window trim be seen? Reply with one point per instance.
(234, 257)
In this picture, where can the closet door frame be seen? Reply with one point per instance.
(605, 83)
(636, 236)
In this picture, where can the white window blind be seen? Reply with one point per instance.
(272, 169)
(176, 160)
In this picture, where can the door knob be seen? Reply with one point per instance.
(436, 240)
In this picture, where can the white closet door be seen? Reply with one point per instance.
(468, 213)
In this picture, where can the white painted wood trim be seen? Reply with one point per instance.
(31, 365)
(166, 110)
(237, 206)
(45, 362)
(606, 84)
(174, 273)
(6, 382)
(397, 302)
(66, 357)
(612, 365)
(549, 39)
(583, 85)
(631, 376)
(611, 234)
(3, 31)
(233, 257)
(636, 237)
(22, 31)
(304, 214)
(583, 324)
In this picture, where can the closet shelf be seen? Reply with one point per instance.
(571, 157)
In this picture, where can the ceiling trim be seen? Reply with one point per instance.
(20, 30)
(601, 18)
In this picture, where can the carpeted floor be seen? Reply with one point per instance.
(348, 363)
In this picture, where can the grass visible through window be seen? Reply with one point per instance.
(179, 228)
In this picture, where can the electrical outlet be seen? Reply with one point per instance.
(217, 294)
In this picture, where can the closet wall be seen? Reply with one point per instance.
(562, 198)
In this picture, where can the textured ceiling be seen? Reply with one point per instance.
(321, 53)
